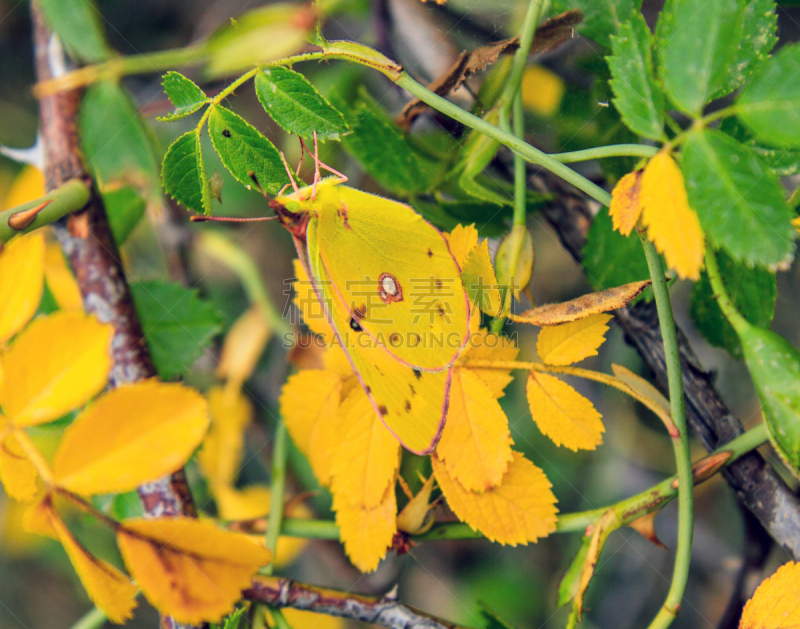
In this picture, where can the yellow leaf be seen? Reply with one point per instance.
(309, 404)
(671, 224)
(221, 453)
(335, 360)
(626, 206)
(542, 90)
(21, 282)
(485, 345)
(480, 282)
(563, 414)
(244, 345)
(27, 186)
(644, 388)
(130, 436)
(367, 454)
(476, 442)
(188, 569)
(583, 306)
(37, 519)
(57, 363)
(299, 619)
(60, 280)
(16, 470)
(305, 298)
(15, 540)
(109, 589)
(366, 533)
(570, 342)
(416, 517)
(519, 510)
(248, 503)
(775, 603)
(461, 241)
(253, 502)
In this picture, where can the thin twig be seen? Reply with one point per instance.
(386, 610)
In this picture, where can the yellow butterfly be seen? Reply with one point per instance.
(392, 292)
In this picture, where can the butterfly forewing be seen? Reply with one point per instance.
(393, 274)
(412, 403)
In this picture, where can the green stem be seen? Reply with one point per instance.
(680, 444)
(235, 258)
(520, 177)
(526, 35)
(600, 152)
(526, 151)
(93, 619)
(628, 509)
(279, 619)
(720, 292)
(70, 197)
(278, 489)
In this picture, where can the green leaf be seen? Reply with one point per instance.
(753, 290)
(491, 619)
(697, 43)
(78, 25)
(774, 364)
(601, 18)
(184, 173)
(176, 322)
(611, 259)
(184, 94)
(377, 143)
(739, 201)
(116, 145)
(234, 619)
(124, 208)
(782, 161)
(636, 95)
(259, 36)
(245, 152)
(770, 104)
(296, 105)
(759, 21)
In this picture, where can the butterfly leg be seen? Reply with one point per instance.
(289, 172)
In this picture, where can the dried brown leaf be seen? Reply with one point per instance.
(584, 306)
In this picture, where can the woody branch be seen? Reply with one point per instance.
(86, 239)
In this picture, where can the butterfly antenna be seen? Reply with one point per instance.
(302, 154)
(289, 172)
(316, 167)
(254, 179)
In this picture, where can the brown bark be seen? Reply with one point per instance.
(757, 486)
(386, 610)
(86, 240)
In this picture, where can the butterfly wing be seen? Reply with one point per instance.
(412, 403)
(394, 274)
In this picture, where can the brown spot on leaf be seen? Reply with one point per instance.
(226, 133)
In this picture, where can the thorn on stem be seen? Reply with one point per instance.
(22, 219)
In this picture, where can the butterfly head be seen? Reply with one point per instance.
(292, 215)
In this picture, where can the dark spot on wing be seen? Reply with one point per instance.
(417, 373)
(408, 406)
(394, 339)
(226, 133)
(359, 312)
(413, 390)
(440, 309)
(368, 389)
(383, 410)
(430, 253)
(438, 284)
(355, 326)
(342, 214)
